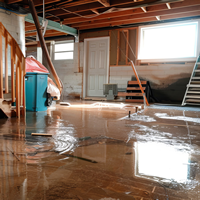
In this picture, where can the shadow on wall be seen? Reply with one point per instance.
(174, 93)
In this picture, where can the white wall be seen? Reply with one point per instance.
(15, 25)
(67, 71)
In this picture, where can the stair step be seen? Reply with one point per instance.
(194, 89)
(134, 100)
(195, 104)
(195, 82)
(129, 94)
(197, 70)
(198, 63)
(135, 88)
(193, 96)
(192, 85)
(192, 100)
(195, 78)
(136, 83)
(193, 92)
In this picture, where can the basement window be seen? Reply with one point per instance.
(168, 42)
(64, 51)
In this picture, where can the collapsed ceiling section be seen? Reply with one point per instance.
(87, 15)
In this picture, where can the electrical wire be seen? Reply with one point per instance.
(129, 45)
(87, 17)
(43, 10)
(120, 48)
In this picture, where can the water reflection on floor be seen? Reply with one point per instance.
(98, 152)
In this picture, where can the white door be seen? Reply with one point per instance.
(96, 66)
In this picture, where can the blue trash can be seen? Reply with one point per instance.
(36, 91)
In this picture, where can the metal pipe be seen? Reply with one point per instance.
(43, 45)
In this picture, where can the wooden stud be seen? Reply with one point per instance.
(137, 46)
(118, 45)
(127, 46)
(1, 66)
(23, 85)
(109, 57)
(79, 70)
(6, 63)
(17, 91)
(20, 82)
(13, 70)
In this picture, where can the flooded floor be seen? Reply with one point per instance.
(98, 152)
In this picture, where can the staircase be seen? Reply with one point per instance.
(192, 94)
(133, 92)
(11, 91)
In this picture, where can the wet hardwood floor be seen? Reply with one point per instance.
(98, 152)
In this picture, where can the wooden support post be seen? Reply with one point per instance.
(13, 70)
(20, 83)
(43, 45)
(136, 53)
(1, 66)
(17, 90)
(79, 69)
(139, 83)
(6, 63)
(127, 46)
(109, 57)
(118, 46)
(23, 86)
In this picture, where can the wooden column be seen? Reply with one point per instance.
(1, 66)
(12, 70)
(118, 46)
(23, 86)
(6, 63)
(17, 90)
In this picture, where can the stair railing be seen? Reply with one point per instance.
(18, 71)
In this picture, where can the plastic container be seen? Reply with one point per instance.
(36, 91)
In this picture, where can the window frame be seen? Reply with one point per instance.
(142, 60)
(63, 42)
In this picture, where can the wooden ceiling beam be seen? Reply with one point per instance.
(154, 8)
(142, 20)
(139, 16)
(13, 1)
(144, 9)
(96, 5)
(105, 3)
(70, 4)
(30, 28)
(168, 5)
(40, 3)
(48, 32)
(95, 11)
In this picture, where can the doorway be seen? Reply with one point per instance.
(96, 66)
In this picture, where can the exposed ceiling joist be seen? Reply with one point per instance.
(48, 33)
(54, 25)
(105, 3)
(144, 9)
(13, 1)
(168, 5)
(158, 18)
(117, 3)
(137, 16)
(95, 11)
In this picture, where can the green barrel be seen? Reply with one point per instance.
(36, 91)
